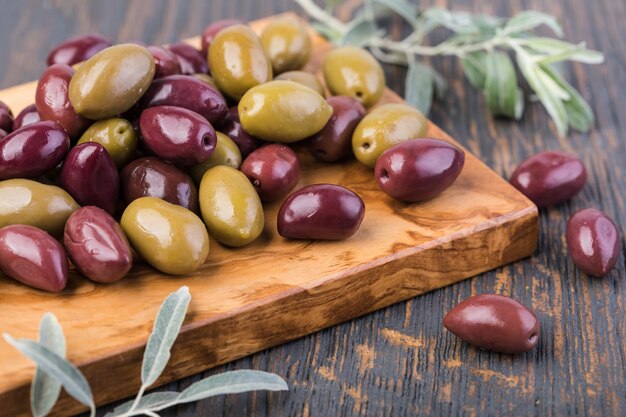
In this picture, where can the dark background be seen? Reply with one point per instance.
(399, 361)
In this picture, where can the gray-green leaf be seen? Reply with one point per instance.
(152, 401)
(326, 31)
(475, 68)
(459, 22)
(419, 86)
(504, 97)
(359, 32)
(402, 8)
(557, 50)
(530, 19)
(166, 327)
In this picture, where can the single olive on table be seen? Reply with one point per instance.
(27, 116)
(165, 62)
(77, 49)
(287, 44)
(191, 60)
(226, 152)
(273, 170)
(116, 135)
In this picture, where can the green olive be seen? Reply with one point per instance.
(384, 127)
(304, 78)
(206, 78)
(111, 81)
(116, 135)
(230, 206)
(287, 43)
(283, 111)
(167, 236)
(226, 152)
(354, 72)
(32, 203)
(238, 61)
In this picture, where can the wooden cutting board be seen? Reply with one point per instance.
(272, 291)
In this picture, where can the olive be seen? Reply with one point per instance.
(6, 118)
(53, 103)
(178, 135)
(152, 177)
(116, 135)
(352, 71)
(238, 61)
(231, 126)
(77, 49)
(287, 43)
(593, 241)
(165, 62)
(334, 141)
(33, 150)
(33, 257)
(550, 178)
(191, 60)
(226, 153)
(230, 206)
(494, 322)
(112, 81)
(3, 134)
(210, 31)
(321, 211)
(273, 170)
(169, 237)
(29, 202)
(97, 245)
(283, 111)
(418, 169)
(205, 78)
(384, 127)
(304, 78)
(27, 116)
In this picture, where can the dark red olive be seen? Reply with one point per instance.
(33, 257)
(177, 135)
(33, 150)
(3, 134)
(210, 31)
(494, 322)
(273, 170)
(97, 245)
(165, 62)
(53, 103)
(152, 177)
(6, 118)
(334, 141)
(231, 126)
(321, 211)
(418, 169)
(550, 178)
(187, 92)
(77, 49)
(191, 60)
(89, 174)
(27, 116)
(593, 241)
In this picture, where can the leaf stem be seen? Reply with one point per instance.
(321, 15)
(136, 402)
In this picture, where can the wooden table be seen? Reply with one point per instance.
(399, 361)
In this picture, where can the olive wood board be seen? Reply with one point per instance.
(273, 290)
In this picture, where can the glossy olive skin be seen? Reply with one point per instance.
(169, 237)
(238, 61)
(494, 322)
(77, 49)
(187, 92)
(116, 135)
(384, 127)
(152, 177)
(165, 62)
(550, 178)
(283, 111)
(334, 141)
(210, 31)
(53, 103)
(90, 176)
(230, 206)
(304, 78)
(97, 245)
(273, 170)
(206, 78)
(231, 126)
(33, 150)
(593, 241)
(112, 81)
(321, 212)
(352, 71)
(191, 60)
(177, 135)
(226, 153)
(3, 134)
(27, 116)
(6, 118)
(33, 257)
(287, 43)
(29, 202)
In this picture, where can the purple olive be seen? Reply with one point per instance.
(53, 103)
(177, 135)
(77, 49)
(90, 176)
(33, 257)
(210, 31)
(3, 134)
(97, 245)
(418, 169)
(494, 322)
(6, 118)
(273, 170)
(231, 126)
(27, 116)
(321, 211)
(165, 62)
(593, 241)
(33, 150)
(187, 92)
(334, 141)
(152, 177)
(550, 178)
(191, 60)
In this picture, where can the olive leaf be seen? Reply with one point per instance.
(504, 97)
(475, 68)
(558, 50)
(147, 402)
(530, 19)
(421, 82)
(359, 32)
(401, 7)
(459, 22)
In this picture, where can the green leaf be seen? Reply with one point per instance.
(326, 31)
(419, 86)
(559, 50)
(504, 97)
(475, 68)
(152, 401)
(441, 86)
(166, 328)
(359, 32)
(459, 22)
(402, 8)
(530, 19)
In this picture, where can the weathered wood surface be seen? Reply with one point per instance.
(399, 361)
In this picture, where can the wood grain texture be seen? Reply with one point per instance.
(398, 361)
